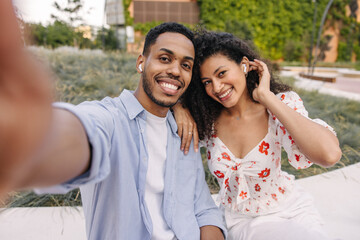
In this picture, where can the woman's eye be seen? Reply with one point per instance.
(221, 73)
(206, 82)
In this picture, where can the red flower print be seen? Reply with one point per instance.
(243, 195)
(295, 108)
(273, 116)
(219, 159)
(225, 156)
(281, 190)
(234, 168)
(227, 185)
(282, 97)
(229, 199)
(257, 188)
(264, 147)
(274, 196)
(297, 157)
(292, 141)
(213, 136)
(209, 155)
(247, 209)
(219, 174)
(237, 180)
(264, 173)
(283, 129)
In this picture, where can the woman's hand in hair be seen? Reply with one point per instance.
(263, 88)
(186, 128)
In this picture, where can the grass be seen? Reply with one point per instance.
(89, 75)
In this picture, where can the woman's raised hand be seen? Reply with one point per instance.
(263, 87)
(186, 128)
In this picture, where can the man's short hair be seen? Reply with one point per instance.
(174, 27)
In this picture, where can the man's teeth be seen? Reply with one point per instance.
(225, 94)
(168, 85)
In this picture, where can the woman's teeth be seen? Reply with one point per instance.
(225, 94)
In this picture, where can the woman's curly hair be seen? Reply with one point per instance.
(203, 108)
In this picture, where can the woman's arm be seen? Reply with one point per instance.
(315, 141)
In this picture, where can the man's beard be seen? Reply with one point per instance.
(148, 91)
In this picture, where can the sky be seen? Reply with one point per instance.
(39, 11)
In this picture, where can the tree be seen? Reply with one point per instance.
(106, 39)
(71, 11)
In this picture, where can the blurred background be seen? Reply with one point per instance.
(92, 46)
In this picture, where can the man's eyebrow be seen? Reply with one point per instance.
(172, 53)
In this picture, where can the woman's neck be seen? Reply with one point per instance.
(245, 107)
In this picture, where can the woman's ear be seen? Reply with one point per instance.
(245, 65)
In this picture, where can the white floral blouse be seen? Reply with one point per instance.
(255, 185)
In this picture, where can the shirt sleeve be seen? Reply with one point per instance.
(99, 127)
(297, 159)
(206, 212)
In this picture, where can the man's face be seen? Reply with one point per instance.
(167, 69)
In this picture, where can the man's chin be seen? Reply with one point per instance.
(166, 104)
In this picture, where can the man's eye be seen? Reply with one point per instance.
(187, 66)
(164, 59)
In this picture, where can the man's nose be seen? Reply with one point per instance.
(174, 69)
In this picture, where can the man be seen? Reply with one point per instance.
(123, 152)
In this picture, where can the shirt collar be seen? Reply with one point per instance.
(134, 108)
(132, 105)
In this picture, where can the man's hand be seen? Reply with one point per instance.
(211, 233)
(25, 102)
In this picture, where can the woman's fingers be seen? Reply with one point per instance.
(187, 137)
(196, 139)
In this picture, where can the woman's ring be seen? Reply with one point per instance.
(190, 133)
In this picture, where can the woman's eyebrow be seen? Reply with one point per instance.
(216, 70)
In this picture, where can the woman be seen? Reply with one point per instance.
(244, 117)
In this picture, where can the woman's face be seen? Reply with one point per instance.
(224, 80)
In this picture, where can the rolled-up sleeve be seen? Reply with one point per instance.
(99, 127)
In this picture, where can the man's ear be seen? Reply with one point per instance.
(140, 62)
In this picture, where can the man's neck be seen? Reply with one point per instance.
(149, 105)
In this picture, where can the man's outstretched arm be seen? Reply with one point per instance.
(36, 147)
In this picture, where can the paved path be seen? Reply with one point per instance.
(346, 87)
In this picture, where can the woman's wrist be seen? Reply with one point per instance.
(266, 97)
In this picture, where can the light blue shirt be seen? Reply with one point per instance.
(113, 189)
